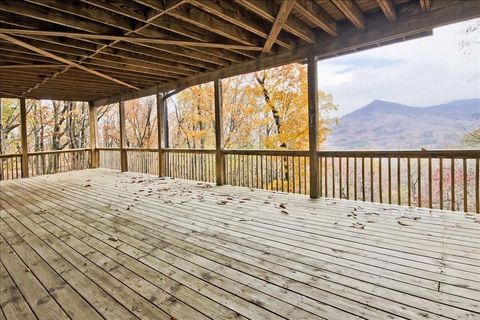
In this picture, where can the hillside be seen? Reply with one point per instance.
(386, 125)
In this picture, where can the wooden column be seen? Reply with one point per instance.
(23, 129)
(219, 156)
(92, 123)
(123, 137)
(313, 125)
(160, 134)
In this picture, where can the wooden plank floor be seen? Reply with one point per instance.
(98, 244)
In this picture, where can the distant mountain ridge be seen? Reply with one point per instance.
(387, 126)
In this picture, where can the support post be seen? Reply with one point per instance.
(313, 124)
(123, 137)
(92, 123)
(160, 134)
(219, 156)
(23, 129)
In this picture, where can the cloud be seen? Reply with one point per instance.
(420, 72)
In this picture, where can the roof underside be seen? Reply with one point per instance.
(99, 50)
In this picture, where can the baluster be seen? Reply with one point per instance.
(326, 177)
(333, 177)
(389, 180)
(340, 176)
(306, 161)
(452, 176)
(399, 188)
(372, 198)
(320, 169)
(380, 189)
(299, 174)
(419, 203)
(441, 182)
(348, 177)
(363, 178)
(430, 193)
(409, 182)
(465, 189)
(355, 178)
(477, 184)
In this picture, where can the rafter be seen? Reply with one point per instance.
(282, 16)
(265, 10)
(128, 39)
(317, 15)
(388, 9)
(60, 59)
(351, 11)
(425, 5)
(232, 14)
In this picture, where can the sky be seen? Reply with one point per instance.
(422, 72)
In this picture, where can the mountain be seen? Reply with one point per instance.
(386, 125)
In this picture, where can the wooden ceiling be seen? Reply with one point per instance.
(99, 50)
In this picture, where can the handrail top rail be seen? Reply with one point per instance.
(58, 151)
(439, 153)
(13, 155)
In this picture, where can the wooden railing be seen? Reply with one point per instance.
(143, 160)
(47, 162)
(443, 179)
(109, 158)
(279, 170)
(192, 164)
(10, 166)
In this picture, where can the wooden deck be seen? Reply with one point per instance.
(98, 244)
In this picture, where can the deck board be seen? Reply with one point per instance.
(127, 245)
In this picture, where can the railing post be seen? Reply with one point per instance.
(160, 127)
(92, 119)
(23, 129)
(123, 137)
(219, 156)
(313, 124)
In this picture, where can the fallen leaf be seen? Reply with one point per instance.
(87, 185)
(113, 238)
(402, 223)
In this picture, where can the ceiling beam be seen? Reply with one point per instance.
(282, 16)
(388, 9)
(265, 10)
(425, 5)
(62, 60)
(411, 21)
(77, 35)
(351, 11)
(317, 15)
